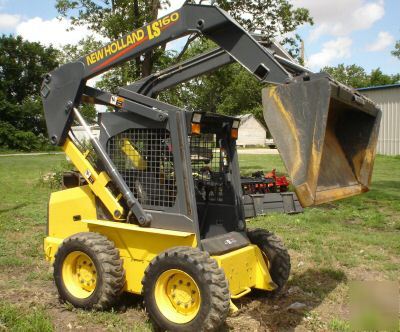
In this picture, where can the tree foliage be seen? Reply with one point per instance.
(357, 77)
(22, 66)
(72, 52)
(230, 90)
(271, 18)
(396, 51)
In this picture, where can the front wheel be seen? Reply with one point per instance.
(185, 290)
(88, 271)
(278, 259)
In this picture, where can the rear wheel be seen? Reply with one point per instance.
(277, 256)
(88, 271)
(185, 290)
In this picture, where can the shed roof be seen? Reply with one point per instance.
(378, 87)
(245, 117)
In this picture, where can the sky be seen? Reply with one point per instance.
(361, 32)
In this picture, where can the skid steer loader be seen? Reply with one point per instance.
(156, 209)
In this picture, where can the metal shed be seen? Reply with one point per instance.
(251, 131)
(388, 99)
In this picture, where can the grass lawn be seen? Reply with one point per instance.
(330, 246)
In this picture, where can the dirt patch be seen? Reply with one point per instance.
(257, 313)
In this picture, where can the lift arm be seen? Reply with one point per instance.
(62, 89)
(203, 64)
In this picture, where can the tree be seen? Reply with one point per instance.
(396, 51)
(352, 75)
(357, 77)
(271, 18)
(231, 90)
(378, 78)
(70, 53)
(22, 66)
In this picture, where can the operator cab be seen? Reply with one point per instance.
(146, 154)
(214, 163)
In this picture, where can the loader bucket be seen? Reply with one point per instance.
(326, 134)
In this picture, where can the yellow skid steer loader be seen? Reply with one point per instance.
(157, 209)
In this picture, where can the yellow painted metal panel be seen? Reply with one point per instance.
(97, 182)
(132, 227)
(67, 205)
(50, 246)
(245, 268)
(137, 245)
(134, 156)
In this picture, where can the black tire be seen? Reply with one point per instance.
(279, 260)
(209, 278)
(110, 278)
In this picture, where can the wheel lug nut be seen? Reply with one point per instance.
(186, 306)
(180, 282)
(178, 303)
(188, 284)
(82, 281)
(193, 292)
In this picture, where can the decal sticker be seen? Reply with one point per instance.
(88, 176)
(117, 101)
(121, 46)
(230, 241)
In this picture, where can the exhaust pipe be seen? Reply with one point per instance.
(326, 134)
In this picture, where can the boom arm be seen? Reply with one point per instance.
(203, 64)
(62, 89)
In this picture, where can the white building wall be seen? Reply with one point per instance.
(80, 133)
(251, 132)
(388, 99)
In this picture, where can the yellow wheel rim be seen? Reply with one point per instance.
(177, 296)
(79, 274)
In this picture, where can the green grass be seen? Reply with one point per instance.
(352, 239)
(339, 325)
(362, 231)
(112, 321)
(251, 163)
(23, 207)
(18, 319)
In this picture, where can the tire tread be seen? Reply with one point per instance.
(277, 254)
(113, 273)
(214, 277)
